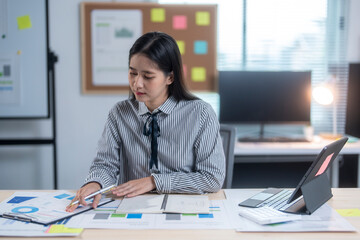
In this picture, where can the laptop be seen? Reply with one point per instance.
(312, 191)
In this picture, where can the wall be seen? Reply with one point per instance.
(80, 118)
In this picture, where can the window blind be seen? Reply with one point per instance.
(287, 35)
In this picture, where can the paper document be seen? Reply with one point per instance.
(13, 228)
(105, 217)
(166, 203)
(41, 207)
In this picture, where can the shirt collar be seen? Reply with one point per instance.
(166, 107)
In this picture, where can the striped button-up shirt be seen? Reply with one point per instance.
(190, 153)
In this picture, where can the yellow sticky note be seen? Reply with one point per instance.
(198, 74)
(158, 15)
(352, 212)
(181, 45)
(202, 18)
(62, 229)
(24, 22)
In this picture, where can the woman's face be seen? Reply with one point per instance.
(148, 82)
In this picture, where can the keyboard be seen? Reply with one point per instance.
(279, 200)
(272, 139)
(267, 215)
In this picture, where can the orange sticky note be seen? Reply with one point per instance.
(181, 45)
(198, 74)
(179, 22)
(158, 15)
(202, 18)
(24, 22)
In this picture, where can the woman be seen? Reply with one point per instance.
(162, 138)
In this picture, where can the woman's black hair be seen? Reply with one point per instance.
(163, 50)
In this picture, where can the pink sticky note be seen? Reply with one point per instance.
(324, 165)
(179, 22)
(185, 70)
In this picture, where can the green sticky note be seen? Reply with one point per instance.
(62, 229)
(158, 15)
(352, 212)
(181, 45)
(202, 18)
(198, 74)
(121, 215)
(24, 22)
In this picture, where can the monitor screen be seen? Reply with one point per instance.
(265, 97)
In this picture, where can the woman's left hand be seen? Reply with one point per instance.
(135, 187)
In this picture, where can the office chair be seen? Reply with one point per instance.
(228, 134)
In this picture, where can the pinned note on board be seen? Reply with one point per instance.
(198, 74)
(200, 47)
(202, 18)
(179, 22)
(158, 15)
(181, 45)
(24, 22)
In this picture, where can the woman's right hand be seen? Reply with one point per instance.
(82, 193)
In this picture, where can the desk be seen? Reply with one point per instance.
(343, 198)
(243, 149)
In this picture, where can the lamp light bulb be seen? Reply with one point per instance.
(323, 95)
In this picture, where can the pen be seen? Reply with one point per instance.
(104, 190)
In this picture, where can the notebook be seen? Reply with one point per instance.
(165, 203)
(42, 207)
(312, 191)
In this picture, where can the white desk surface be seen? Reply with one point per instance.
(343, 199)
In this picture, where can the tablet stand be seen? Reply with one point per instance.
(312, 200)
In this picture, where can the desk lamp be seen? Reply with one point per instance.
(324, 94)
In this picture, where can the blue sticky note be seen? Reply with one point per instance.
(200, 47)
(134, 215)
(71, 198)
(206, 215)
(19, 199)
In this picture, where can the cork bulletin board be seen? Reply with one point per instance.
(108, 31)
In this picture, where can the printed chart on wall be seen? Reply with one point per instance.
(110, 29)
(106, 217)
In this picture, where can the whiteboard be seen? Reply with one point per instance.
(23, 59)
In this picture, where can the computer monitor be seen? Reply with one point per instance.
(265, 97)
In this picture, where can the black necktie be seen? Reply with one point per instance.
(154, 131)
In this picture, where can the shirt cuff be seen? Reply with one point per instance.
(97, 180)
(162, 182)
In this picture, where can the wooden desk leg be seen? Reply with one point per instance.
(335, 173)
